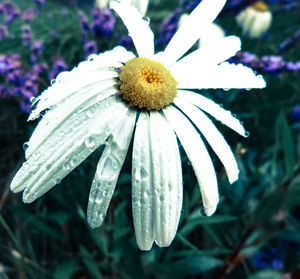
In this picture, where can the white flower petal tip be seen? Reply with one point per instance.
(210, 210)
(233, 176)
(190, 31)
(137, 26)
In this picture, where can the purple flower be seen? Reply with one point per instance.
(272, 259)
(10, 11)
(36, 49)
(85, 26)
(293, 66)
(273, 64)
(295, 115)
(3, 32)
(126, 42)
(103, 25)
(90, 47)
(58, 66)
(39, 2)
(95, 12)
(26, 35)
(168, 28)
(29, 15)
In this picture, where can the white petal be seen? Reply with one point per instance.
(199, 157)
(213, 136)
(224, 75)
(88, 73)
(142, 185)
(190, 31)
(108, 170)
(207, 56)
(60, 154)
(141, 5)
(213, 109)
(214, 33)
(138, 28)
(167, 179)
(70, 111)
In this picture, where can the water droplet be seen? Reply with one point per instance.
(147, 19)
(248, 89)
(247, 134)
(53, 81)
(57, 180)
(48, 167)
(105, 192)
(143, 201)
(25, 145)
(89, 114)
(144, 173)
(90, 141)
(226, 89)
(32, 99)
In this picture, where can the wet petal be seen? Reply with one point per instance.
(199, 157)
(108, 170)
(167, 179)
(142, 185)
(213, 137)
(76, 82)
(69, 112)
(190, 31)
(138, 27)
(224, 76)
(214, 110)
(66, 148)
(207, 56)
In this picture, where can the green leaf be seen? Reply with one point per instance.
(203, 220)
(293, 197)
(67, 269)
(187, 266)
(90, 263)
(290, 235)
(287, 144)
(266, 274)
(268, 206)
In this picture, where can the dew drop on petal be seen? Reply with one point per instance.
(90, 141)
(57, 180)
(53, 81)
(25, 145)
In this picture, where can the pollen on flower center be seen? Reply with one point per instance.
(260, 6)
(145, 83)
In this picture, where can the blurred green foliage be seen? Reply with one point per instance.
(51, 238)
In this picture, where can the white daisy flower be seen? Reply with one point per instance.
(255, 20)
(115, 96)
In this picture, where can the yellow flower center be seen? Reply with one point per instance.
(147, 84)
(260, 6)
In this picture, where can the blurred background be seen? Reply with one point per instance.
(255, 230)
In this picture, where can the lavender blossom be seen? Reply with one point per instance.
(267, 64)
(90, 47)
(58, 66)
(3, 32)
(39, 2)
(37, 49)
(168, 28)
(295, 115)
(103, 24)
(29, 15)
(26, 35)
